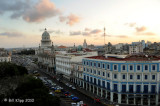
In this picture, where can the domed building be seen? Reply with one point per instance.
(46, 53)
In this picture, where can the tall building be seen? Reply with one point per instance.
(85, 44)
(123, 79)
(46, 53)
(136, 48)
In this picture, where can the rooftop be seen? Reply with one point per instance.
(128, 58)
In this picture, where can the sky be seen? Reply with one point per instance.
(22, 22)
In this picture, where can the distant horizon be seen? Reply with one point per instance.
(124, 21)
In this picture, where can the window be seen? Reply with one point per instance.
(103, 74)
(123, 67)
(115, 76)
(138, 76)
(153, 88)
(94, 71)
(103, 65)
(108, 67)
(153, 67)
(99, 82)
(95, 81)
(87, 70)
(123, 88)
(94, 64)
(103, 84)
(138, 88)
(146, 67)
(84, 69)
(84, 62)
(130, 67)
(145, 89)
(91, 70)
(99, 65)
(131, 76)
(115, 88)
(115, 67)
(131, 88)
(108, 85)
(138, 67)
(108, 74)
(124, 76)
(99, 72)
(87, 63)
(91, 63)
(146, 77)
(91, 79)
(153, 77)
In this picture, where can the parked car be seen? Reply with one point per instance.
(73, 88)
(70, 86)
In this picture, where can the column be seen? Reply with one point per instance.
(134, 100)
(97, 90)
(106, 94)
(101, 92)
(156, 99)
(142, 100)
(111, 96)
(127, 99)
(93, 88)
(119, 98)
(83, 84)
(149, 100)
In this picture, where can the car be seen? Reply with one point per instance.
(57, 91)
(67, 84)
(75, 98)
(73, 88)
(51, 93)
(70, 86)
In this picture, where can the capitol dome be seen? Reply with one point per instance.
(45, 33)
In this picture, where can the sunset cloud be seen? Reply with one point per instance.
(70, 20)
(131, 24)
(141, 29)
(11, 34)
(42, 10)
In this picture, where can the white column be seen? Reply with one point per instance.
(101, 92)
(83, 84)
(111, 96)
(156, 99)
(119, 98)
(97, 90)
(106, 94)
(93, 88)
(119, 87)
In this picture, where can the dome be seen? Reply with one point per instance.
(45, 33)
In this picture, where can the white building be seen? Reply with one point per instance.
(85, 44)
(4, 56)
(65, 62)
(136, 48)
(46, 53)
(119, 45)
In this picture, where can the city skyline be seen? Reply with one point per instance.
(71, 21)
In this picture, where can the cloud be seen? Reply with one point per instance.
(147, 33)
(35, 11)
(70, 20)
(86, 33)
(131, 24)
(49, 30)
(141, 29)
(11, 34)
(42, 10)
(75, 33)
(122, 36)
(96, 31)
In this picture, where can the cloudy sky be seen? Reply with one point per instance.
(22, 22)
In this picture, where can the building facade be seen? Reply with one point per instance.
(4, 56)
(46, 53)
(123, 79)
(136, 48)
